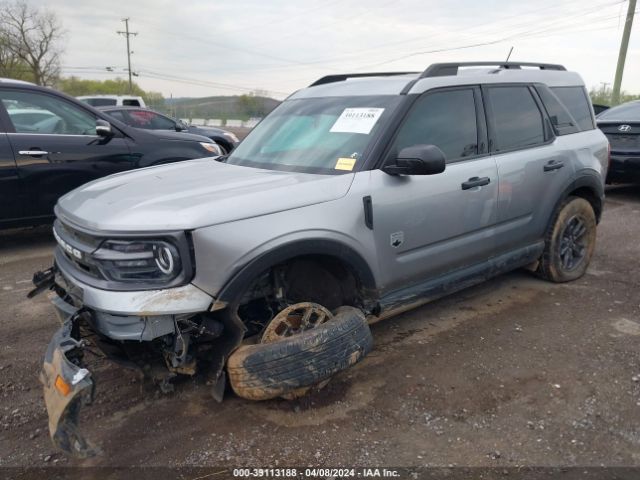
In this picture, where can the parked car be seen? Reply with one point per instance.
(621, 125)
(357, 198)
(119, 100)
(51, 143)
(152, 120)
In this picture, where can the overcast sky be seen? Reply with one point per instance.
(226, 47)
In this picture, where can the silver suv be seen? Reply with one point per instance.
(358, 197)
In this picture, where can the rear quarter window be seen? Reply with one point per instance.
(577, 102)
(562, 121)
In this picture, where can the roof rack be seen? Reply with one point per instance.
(445, 69)
(343, 76)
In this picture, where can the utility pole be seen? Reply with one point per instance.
(615, 98)
(127, 34)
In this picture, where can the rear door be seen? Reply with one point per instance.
(59, 152)
(533, 171)
(426, 226)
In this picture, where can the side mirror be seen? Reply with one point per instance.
(417, 160)
(180, 126)
(103, 128)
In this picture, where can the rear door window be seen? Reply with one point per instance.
(578, 104)
(517, 120)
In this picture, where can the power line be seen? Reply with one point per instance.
(478, 44)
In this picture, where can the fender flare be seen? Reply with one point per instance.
(586, 179)
(352, 259)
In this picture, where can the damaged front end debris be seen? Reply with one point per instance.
(68, 386)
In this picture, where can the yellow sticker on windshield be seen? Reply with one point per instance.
(345, 164)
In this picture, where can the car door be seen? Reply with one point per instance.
(60, 152)
(533, 171)
(11, 193)
(426, 226)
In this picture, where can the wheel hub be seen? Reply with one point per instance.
(295, 319)
(573, 243)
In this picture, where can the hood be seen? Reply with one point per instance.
(192, 194)
(173, 135)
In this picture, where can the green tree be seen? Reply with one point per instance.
(29, 43)
(604, 96)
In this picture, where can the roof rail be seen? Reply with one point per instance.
(343, 76)
(445, 69)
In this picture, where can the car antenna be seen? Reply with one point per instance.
(509, 56)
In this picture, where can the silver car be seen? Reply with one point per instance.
(358, 197)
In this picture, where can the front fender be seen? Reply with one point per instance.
(294, 248)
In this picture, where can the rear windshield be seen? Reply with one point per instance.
(578, 105)
(627, 112)
(316, 135)
(100, 102)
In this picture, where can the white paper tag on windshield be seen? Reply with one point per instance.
(357, 120)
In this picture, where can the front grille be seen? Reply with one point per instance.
(77, 246)
(69, 233)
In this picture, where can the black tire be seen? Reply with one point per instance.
(553, 263)
(269, 370)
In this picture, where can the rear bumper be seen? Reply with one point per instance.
(624, 169)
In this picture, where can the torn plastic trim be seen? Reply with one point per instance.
(67, 388)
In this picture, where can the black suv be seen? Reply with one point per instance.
(51, 143)
(151, 120)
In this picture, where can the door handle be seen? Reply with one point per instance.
(553, 165)
(33, 153)
(476, 182)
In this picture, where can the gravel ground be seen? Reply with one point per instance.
(513, 372)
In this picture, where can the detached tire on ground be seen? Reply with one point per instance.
(269, 370)
(569, 242)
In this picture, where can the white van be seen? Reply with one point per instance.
(112, 100)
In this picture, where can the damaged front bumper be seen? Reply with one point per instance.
(163, 332)
(67, 387)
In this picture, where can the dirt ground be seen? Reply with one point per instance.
(516, 371)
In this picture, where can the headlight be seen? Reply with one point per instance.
(230, 135)
(133, 261)
(211, 147)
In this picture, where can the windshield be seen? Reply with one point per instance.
(628, 112)
(316, 135)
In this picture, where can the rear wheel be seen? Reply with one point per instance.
(569, 242)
